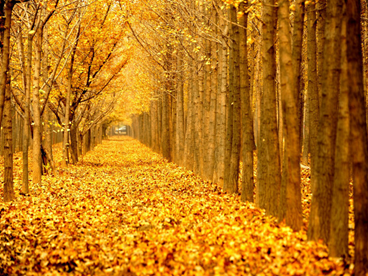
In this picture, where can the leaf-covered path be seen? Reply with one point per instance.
(124, 210)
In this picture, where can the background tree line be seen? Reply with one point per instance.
(60, 67)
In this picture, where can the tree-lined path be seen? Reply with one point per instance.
(124, 210)
(265, 100)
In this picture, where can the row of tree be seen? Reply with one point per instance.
(282, 78)
(61, 65)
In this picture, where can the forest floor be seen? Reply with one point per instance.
(124, 210)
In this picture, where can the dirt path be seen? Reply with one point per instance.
(126, 211)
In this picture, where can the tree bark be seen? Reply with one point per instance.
(358, 126)
(219, 169)
(246, 111)
(37, 159)
(339, 230)
(8, 8)
(8, 145)
(229, 108)
(289, 78)
(268, 172)
(236, 105)
(180, 113)
(320, 216)
(313, 96)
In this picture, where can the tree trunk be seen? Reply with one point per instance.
(358, 126)
(268, 172)
(221, 111)
(246, 112)
(8, 8)
(339, 230)
(320, 216)
(27, 68)
(313, 96)
(180, 113)
(229, 108)
(67, 124)
(37, 158)
(236, 104)
(321, 22)
(8, 146)
(166, 127)
(289, 78)
(189, 133)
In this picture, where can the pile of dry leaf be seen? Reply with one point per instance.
(125, 211)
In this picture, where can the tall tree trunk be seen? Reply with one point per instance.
(246, 111)
(37, 159)
(313, 96)
(47, 112)
(339, 230)
(27, 71)
(67, 123)
(289, 78)
(236, 104)
(212, 88)
(358, 126)
(269, 178)
(198, 116)
(166, 143)
(8, 145)
(229, 108)
(321, 22)
(221, 110)
(8, 8)
(180, 113)
(320, 216)
(189, 133)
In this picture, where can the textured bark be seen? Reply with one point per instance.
(165, 127)
(8, 7)
(320, 216)
(236, 105)
(207, 142)
(180, 113)
(26, 126)
(289, 78)
(268, 173)
(189, 133)
(198, 120)
(47, 112)
(313, 97)
(321, 22)
(219, 169)
(37, 159)
(339, 230)
(8, 146)
(358, 126)
(212, 87)
(306, 131)
(154, 129)
(229, 109)
(67, 122)
(246, 112)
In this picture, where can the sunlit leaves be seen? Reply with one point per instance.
(124, 210)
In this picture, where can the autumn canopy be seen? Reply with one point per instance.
(248, 137)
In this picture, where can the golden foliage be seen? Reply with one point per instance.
(124, 210)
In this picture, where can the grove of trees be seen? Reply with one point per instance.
(243, 93)
(250, 91)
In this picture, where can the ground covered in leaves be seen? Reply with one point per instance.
(124, 210)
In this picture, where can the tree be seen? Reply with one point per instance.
(320, 216)
(358, 135)
(268, 170)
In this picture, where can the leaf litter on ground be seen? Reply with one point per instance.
(124, 210)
